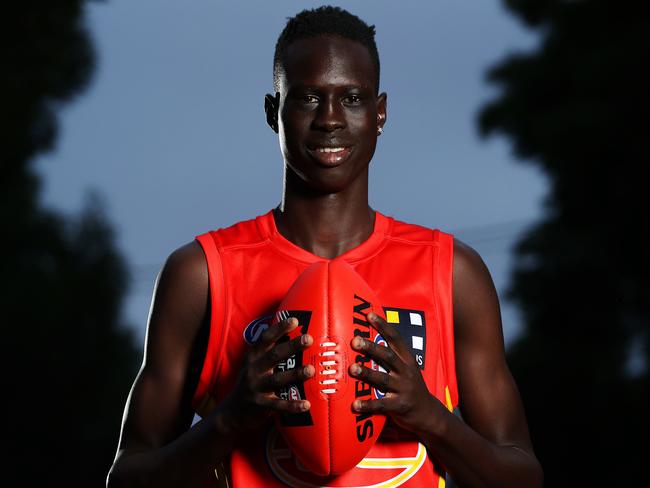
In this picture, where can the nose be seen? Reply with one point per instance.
(329, 116)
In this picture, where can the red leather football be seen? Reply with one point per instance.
(331, 302)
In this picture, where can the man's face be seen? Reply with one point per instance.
(328, 111)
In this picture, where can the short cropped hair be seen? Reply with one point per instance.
(325, 20)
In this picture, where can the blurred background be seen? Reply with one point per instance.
(518, 125)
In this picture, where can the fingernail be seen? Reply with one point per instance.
(308, 370)
(293, 321)
(305, 340)
(304, 406)
(355, 369)
(356, 405)
(372, 316)
(357, 342)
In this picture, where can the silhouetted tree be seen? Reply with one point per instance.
(577, 106)
(67, 362)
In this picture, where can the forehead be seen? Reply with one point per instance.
(327, 60)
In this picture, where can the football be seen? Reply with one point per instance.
(331, 302)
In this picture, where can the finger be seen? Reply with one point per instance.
(391, 334)
(284, 350)
(382, 381)
(272, 402)
(383, 355)
(384, 405)
(271, 335)
(277, 381)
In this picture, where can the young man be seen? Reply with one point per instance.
(205, 351)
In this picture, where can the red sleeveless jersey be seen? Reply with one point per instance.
(251, 267)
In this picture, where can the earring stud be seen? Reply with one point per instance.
(380, 130)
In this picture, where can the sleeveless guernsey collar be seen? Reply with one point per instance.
(268, 230)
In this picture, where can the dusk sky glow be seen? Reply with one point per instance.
(171, 131)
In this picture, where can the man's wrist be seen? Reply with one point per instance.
(224, 422)
(438, 422)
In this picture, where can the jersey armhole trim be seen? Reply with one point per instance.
(212, 360)
(443, 267)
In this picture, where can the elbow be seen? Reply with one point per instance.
(529, 472)
(116, 478)
(533, 474)
(113, 478)
(120, 477)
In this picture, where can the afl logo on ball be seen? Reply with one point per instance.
(254, 330)
(294, 393)
(380, 341)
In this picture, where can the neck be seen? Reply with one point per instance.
(328, 224)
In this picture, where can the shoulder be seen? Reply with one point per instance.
(184, 276)
(474, 294)
(186, 263)
(477, 315)
(182, 287)
(468, 263)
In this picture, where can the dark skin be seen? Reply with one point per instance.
(327, 99)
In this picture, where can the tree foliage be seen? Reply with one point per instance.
(68, 360)
(577, 106)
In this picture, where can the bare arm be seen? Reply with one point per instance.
(157, 446)
(492, 448)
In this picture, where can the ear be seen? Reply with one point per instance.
(271, 105)
(382, 100)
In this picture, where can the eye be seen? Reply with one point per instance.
(352, 100)
(309, 99)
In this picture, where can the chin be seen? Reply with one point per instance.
(323, 186)
(321, 181)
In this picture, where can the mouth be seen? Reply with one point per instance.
(330, 156)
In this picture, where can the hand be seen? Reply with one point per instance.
(253, 398)
(407, 399)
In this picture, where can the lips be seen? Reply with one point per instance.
(330, 156)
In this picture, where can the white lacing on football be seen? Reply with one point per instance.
(328, 368)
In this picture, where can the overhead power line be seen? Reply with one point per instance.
(494, 232)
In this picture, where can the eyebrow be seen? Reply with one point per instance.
(316, 88)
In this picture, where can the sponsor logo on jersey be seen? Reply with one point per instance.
(374, 471)
(254, 330)
(412, 326)
(380, 341)
(294, 392)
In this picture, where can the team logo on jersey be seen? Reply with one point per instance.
(412, 327)
(376, 471)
